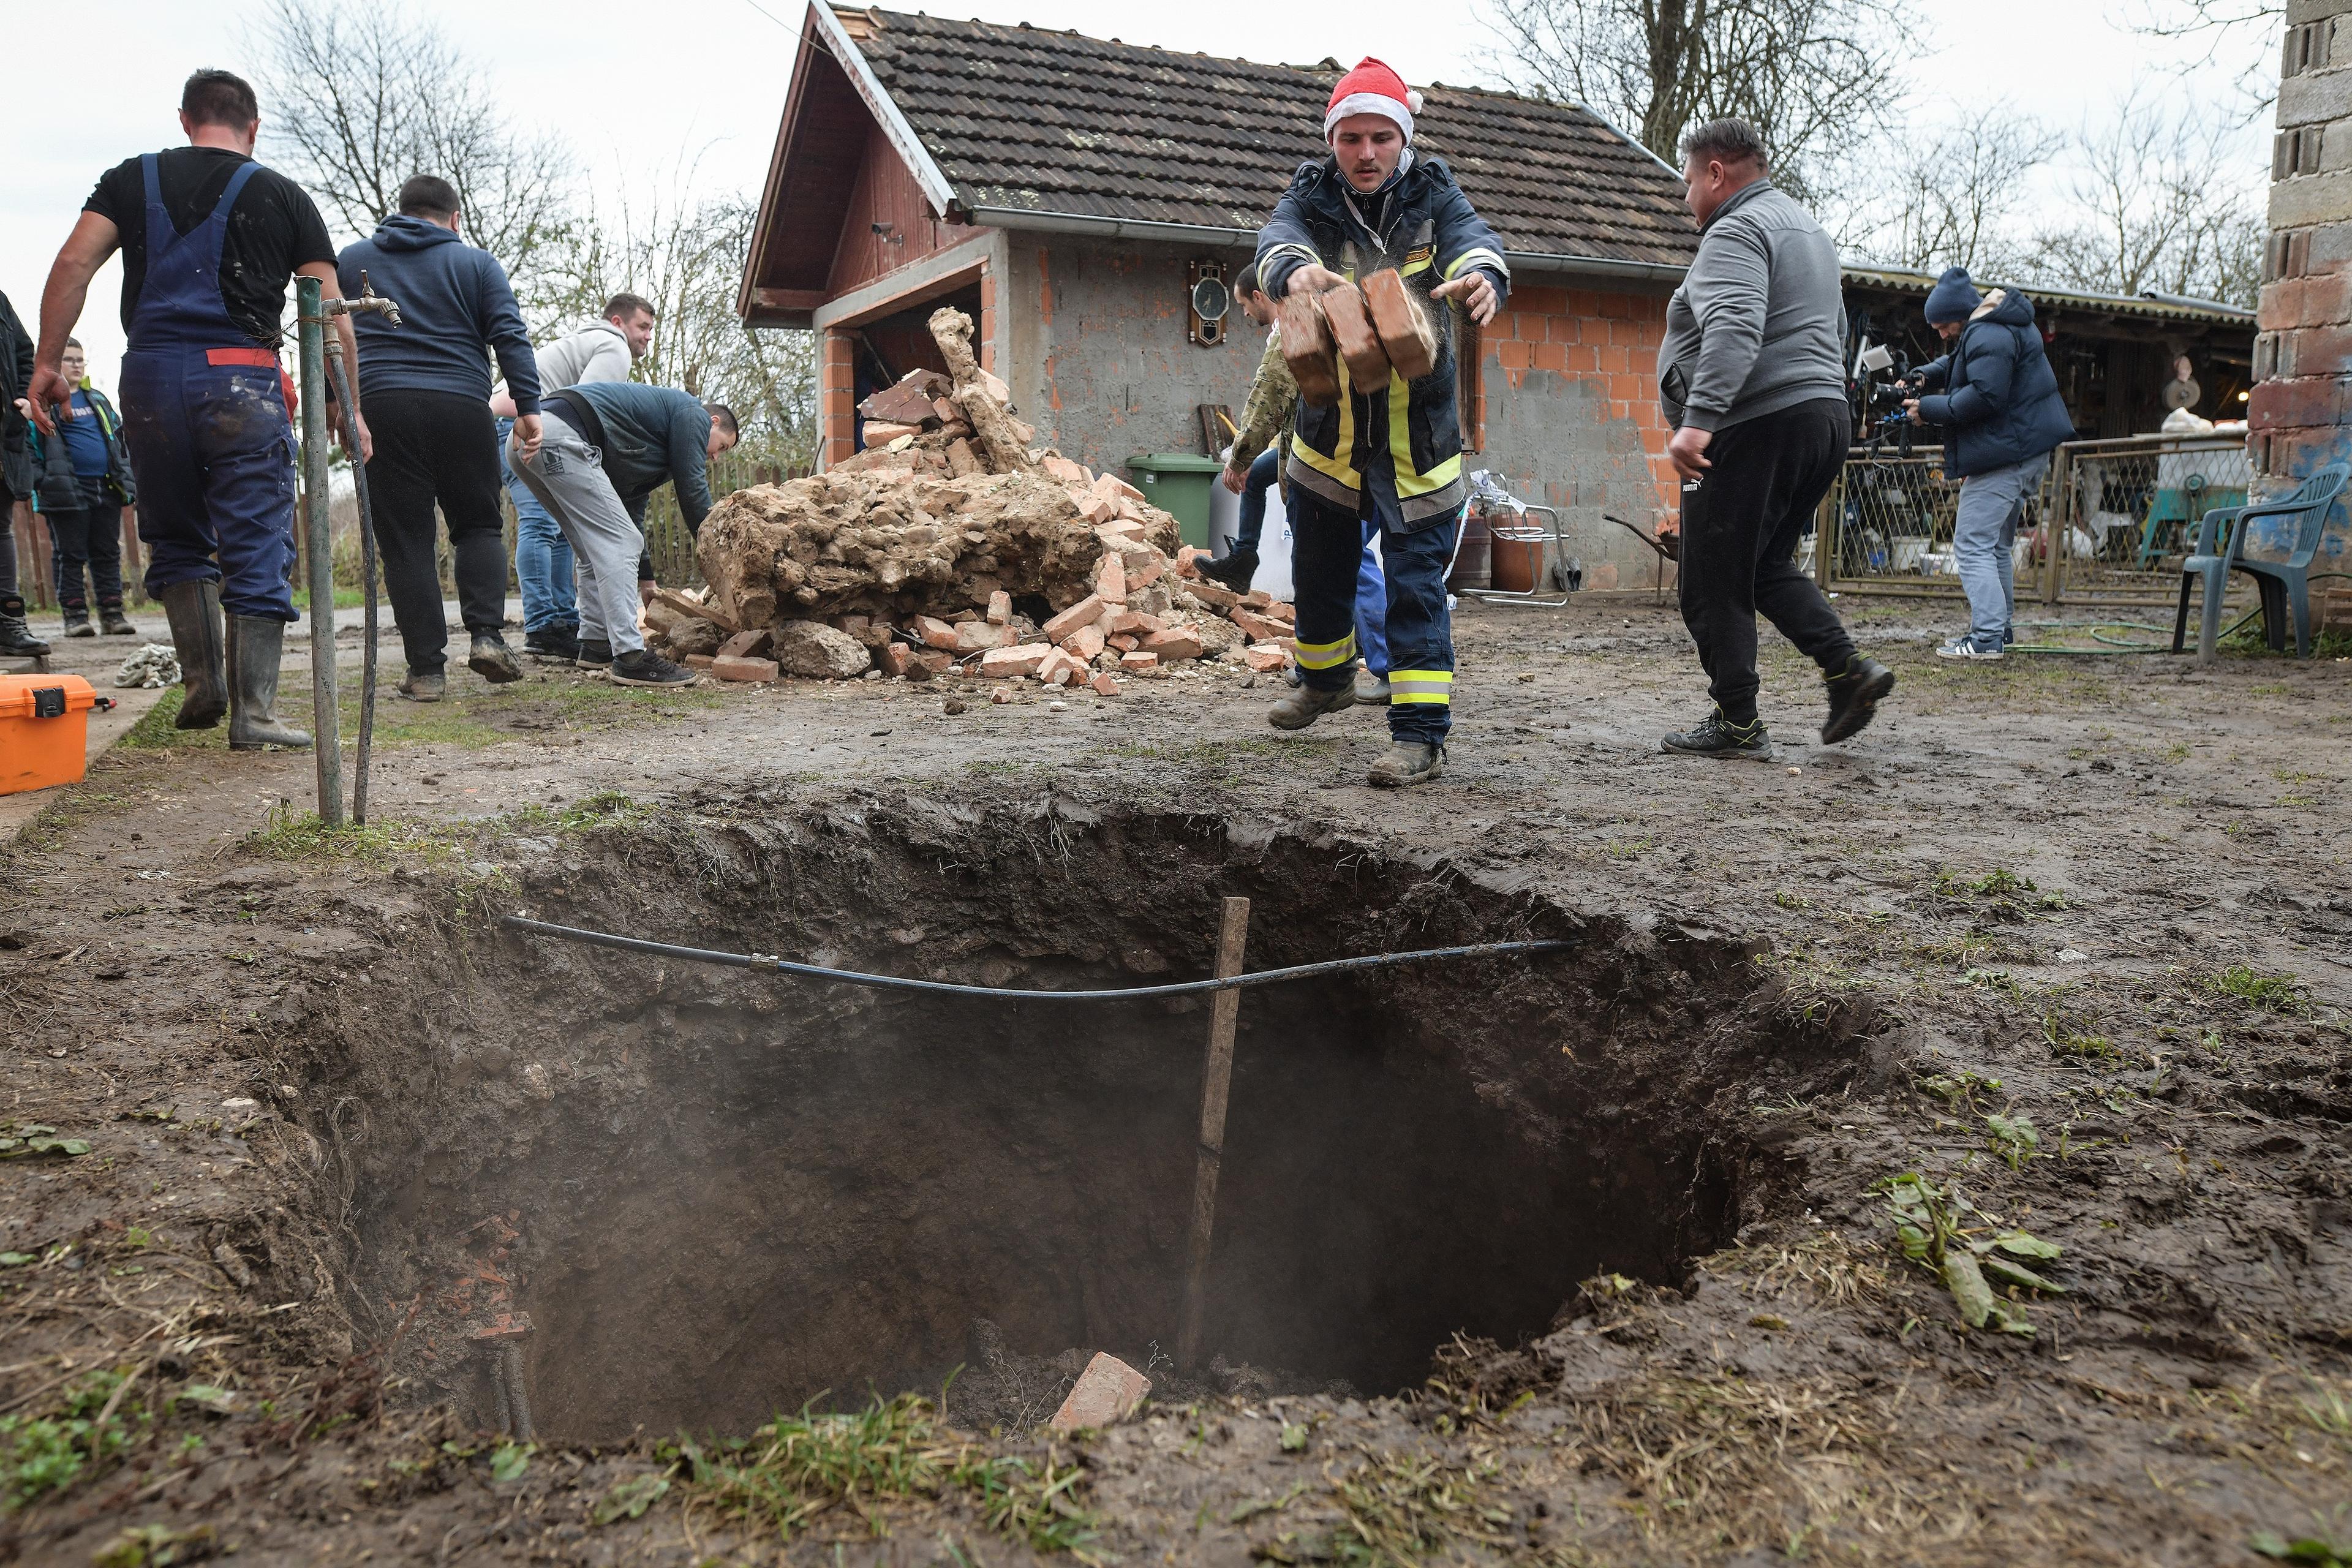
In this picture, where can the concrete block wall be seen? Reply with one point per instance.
(2299, 416)
(1568, 415)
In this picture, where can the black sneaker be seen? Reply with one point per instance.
(1853, 699)
(1234, 571)
(643, 667)
(1714, 736)
(78, 625)
(559, 643)
(595, 652)
(115, 623)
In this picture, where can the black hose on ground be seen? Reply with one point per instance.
(1120, 994)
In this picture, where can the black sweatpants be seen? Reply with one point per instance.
(1741, 527)
(91, 537)
(436, 447)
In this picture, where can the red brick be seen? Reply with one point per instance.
(1511, 355)
(697, 661)
(1000, 608)
(1264, 657)
(897, 659)
(1259, 627)
(1122, 643)
(1085, 613)
(1540, 301)
(1068, 472)
(935, 661)
(1110, 578)
(1138, 661)
(1084, 643)
(1132, 623)
(1583, 359)
(1175, 643)
(1148, 574)
(747, 644)
(998, 663)
(1550, 356)
(935, 632)
(1108, 1390)
(727, 668)
(978, 637)
(1104, 685)
(1210, 592)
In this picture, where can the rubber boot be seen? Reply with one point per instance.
(16, 639)
(195, 611)
(256, 644)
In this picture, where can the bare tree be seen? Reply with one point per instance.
(1816, 78)
(2166, 209)
(2220, 30)
(367, 98)
(1954, 198)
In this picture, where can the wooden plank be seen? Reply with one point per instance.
(1216, 1084)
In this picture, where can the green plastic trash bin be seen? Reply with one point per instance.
(1178, 484)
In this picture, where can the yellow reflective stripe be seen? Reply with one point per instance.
(1413, 264)
(1420, 685)
(1409, 484)
(1479, 258)
(1326, 655)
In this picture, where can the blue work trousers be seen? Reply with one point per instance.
(543, 562)
(212, 451)
(1331, 568)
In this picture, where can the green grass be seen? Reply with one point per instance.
(469, 718)
(300, 835)
(44, 1454)
(797, 1470)
(2271, 992)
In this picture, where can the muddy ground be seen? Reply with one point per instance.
(1571, 1259)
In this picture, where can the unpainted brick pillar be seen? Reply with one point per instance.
(837, 398)
(2299, 416)
(988, 320)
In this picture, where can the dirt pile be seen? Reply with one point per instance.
(952, 545)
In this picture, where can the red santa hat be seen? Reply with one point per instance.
(1372, 88)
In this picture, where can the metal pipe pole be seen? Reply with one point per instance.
(349, 405)
(1216, 1084)
(318, 535)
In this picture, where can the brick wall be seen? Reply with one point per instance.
(1567, 415)
(839, 398)
(2299, 416)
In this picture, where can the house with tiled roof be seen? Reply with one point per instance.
(1073, 194)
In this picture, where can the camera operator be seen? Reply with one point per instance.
(2000, 419)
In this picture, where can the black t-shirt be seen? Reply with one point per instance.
(275, 228)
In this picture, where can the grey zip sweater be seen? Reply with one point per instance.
(1759, 324)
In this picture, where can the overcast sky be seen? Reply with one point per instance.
(634, 87)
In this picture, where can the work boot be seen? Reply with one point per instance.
(78, 624)
(643, 667)
(1406, 764)
(595, 652)
(561, 644)
(493, 660)
(16, 639)
(117, 624)
(1716, 736)
(256, 645)
(1372, 687)
(1234, 571)
(1853, 698)
(1305, 704)
(194, 612)
(424, 686)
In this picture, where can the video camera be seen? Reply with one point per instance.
(1878, 405)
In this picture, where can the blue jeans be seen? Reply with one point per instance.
(1262, 475)
(1984, 533)
(1371, 606)
(212, 451)
(543, 564)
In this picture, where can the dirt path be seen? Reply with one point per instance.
(2072, 937)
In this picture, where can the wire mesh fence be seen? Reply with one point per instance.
(2109, 524)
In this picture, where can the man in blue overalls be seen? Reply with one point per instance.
(209, 241)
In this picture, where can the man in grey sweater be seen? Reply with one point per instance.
(1752, 377)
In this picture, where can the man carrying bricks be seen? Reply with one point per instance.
(1391, 453)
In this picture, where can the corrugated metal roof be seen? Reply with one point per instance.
(2152, 306)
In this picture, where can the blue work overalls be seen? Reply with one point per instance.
(204, 413)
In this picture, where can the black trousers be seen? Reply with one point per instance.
(436, 447)
(1741, 526)
(89, 538)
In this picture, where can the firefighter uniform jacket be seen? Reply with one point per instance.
(1424, 225)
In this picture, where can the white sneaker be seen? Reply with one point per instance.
(1964, 647)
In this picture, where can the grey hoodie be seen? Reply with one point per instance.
(1759, 324)
(597, 352)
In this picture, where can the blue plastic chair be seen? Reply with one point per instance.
(2217, 548)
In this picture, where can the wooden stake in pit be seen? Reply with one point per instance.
(1217, 1082)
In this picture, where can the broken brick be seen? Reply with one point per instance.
(1257, 598)
(747, 644)
(697, 660)
(1143, 576)
(1174, 643)
(1210, 592)
(1123, 643)
(1264, 657)
(1084, 643)
(1084, 612)
(879, 433)
(1111, 579)
(935, 632)
(1000, 608)
(727, 666)
(1133, 623)
(1138, 661)
(1287, 613)
(1105, 685)
(998, 663)
(1114, 489)
(976, 637)
(1259, 627)
(897, 659)
(1068, 472)
(935, 661)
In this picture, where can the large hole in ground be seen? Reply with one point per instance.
(715, 1196)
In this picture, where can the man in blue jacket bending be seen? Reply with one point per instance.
(2001, 416)
(426, 385)
(609, 445)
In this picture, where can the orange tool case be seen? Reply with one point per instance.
(44, 730)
